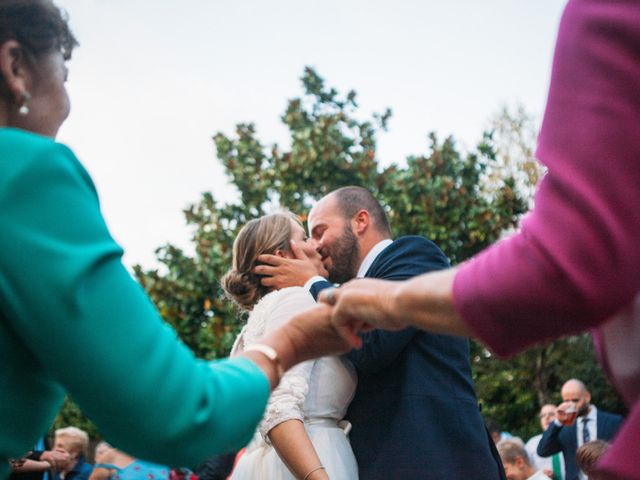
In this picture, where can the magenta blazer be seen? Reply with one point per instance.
(575, 263)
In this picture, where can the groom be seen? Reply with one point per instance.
(415, 413)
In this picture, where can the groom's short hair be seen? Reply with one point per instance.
(352, 199)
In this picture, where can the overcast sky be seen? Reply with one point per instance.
(153, 81)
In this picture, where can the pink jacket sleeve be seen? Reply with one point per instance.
(576, 259)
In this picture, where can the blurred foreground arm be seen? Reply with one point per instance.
(423, 302)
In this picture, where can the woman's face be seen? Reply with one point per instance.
(300, 236)
(49, 105)
(309, 247)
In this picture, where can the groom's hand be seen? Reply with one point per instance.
(281, 272)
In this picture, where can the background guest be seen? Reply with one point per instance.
(111, 463)
(588, 455)
(591, 424)
(516, 462)
(495, 430)
(75, 442)
(39, 463)
(552, 466)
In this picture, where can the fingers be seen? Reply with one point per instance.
(270, 260)
(269, 282)
(297, 251)
(266, 269)
(328, 296)
(349, 329)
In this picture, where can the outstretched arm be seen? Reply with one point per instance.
(424, 302)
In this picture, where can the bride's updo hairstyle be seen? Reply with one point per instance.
(264, 235)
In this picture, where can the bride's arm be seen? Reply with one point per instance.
(283, 423)
(294, 447)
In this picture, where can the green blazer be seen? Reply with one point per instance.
(72, 319)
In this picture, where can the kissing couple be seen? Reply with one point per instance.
(402, 406)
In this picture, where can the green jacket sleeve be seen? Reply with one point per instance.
(94, 330)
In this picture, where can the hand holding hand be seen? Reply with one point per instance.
(308, 335)
(281, 272)
(59, 459)
(361, 305)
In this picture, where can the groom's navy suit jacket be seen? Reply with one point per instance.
(415, 413)
(557, 438)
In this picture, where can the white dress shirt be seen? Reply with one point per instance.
(592, 426)
(372, 255)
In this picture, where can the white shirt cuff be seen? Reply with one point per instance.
(557, 422)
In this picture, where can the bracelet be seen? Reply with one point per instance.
(270, 353)
(319, 467)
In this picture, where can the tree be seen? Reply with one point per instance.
(462, 201)
(437, 194)
(513, 132)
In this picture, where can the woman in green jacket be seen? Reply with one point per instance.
(71, 317)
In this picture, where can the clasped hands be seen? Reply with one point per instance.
(57, 460)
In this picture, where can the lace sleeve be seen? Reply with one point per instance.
(287, 400)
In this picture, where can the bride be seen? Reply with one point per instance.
(302, 434)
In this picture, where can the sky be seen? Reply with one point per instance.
(152, 82)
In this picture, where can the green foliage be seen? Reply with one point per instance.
(70, 415)
(440, 196)
(462, 201)
(437, 194)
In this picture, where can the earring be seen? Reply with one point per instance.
(24, 108)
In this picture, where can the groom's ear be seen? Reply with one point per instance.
(361, 221)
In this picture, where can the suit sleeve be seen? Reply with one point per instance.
(381, 348)
(317, 287)
(550, 441)
(77, 309)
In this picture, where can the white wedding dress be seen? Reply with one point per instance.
(317, 392)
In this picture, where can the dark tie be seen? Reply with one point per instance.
(586, 436)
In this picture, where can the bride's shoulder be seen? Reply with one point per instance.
(284, 299)
(284, 294)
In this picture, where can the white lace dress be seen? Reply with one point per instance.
(317, 392)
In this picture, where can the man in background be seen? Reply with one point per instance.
(565, 435)
(552, 466)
